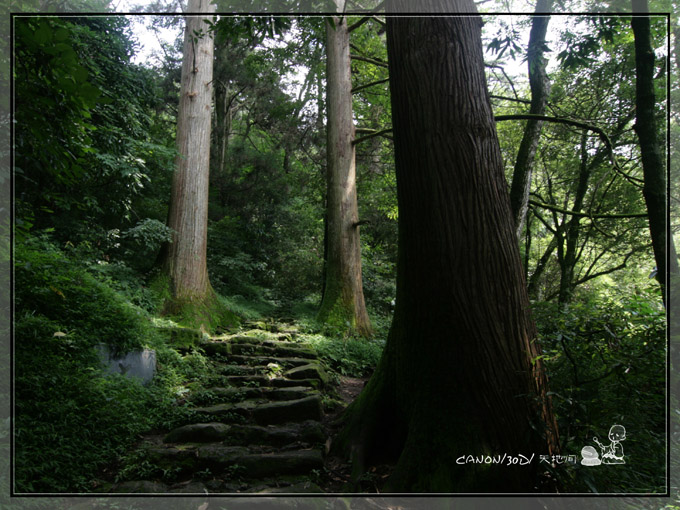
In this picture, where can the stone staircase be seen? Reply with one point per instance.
(260, 430)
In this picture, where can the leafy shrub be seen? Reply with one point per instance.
(141, 243)
(606, 364)
(58, 288)
(69, 419)
(352, 357)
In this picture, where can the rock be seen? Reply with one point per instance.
(291, 393)
(230, 394)
(139, 364)
(288, 383)
(309, 371)
(183, 338)
(212, 455)
(228, 412)
(264, 360)
(198, 433)
(310, 432)
(308, 408)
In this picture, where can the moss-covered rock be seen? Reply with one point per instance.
(182, 338)
(309, 371)
(308, 408)
(198, 433)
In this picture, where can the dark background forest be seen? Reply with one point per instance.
(94, 156)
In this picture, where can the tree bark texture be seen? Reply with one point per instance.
(653, 167)
(540, 90)
(343, 296)
(188, 216)
(457, 376)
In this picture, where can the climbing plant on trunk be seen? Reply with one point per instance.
(460, 373)
(343, 304)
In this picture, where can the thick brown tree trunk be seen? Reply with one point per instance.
(185, 263)
(343, 304)
(653, 167)
(457, 377)
(540, 90)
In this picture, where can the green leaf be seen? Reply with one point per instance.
(43, 35)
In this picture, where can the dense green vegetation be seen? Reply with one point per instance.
(94, 152)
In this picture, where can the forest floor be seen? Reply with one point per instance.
(263, 423)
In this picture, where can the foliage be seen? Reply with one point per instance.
(354, 357)
(71, 419)
(76, 77)
(53, 286)
(606, 362)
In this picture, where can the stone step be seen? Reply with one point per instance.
(277, 382)
(265, 360)
(272, 349)
(235, 461)
(307, 432)
(234, 394)
(226, 369)
(308, 408)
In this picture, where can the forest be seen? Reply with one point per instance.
(350, 253)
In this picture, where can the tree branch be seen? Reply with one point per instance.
(356, 25)
(362, 87)
(371, 134)
(603, 136)
(610, 270)
(585, 214)
(516, 100)
(370, 61)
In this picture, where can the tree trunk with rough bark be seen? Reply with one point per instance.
(343, 304)
(459, 375)
(185, 262)
(653, 166)
(540, 90)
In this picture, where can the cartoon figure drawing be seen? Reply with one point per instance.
(613, 453)
(590, 457)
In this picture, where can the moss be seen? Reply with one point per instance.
(209, 313)
(182, 338)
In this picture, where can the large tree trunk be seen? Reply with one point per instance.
(457, 376)
(653, 166)
(343, 296)
(188, 217)
(540, 90)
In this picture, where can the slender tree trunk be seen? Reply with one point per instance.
(540, 90)
(343, 296)
(573, 229)
(188, 216)
(534, 287)
(459, 374)
(653, 166)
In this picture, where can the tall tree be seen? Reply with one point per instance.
(343, 296)
(540, 90)
(459, 374)
(185, 262)
(653, 166)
